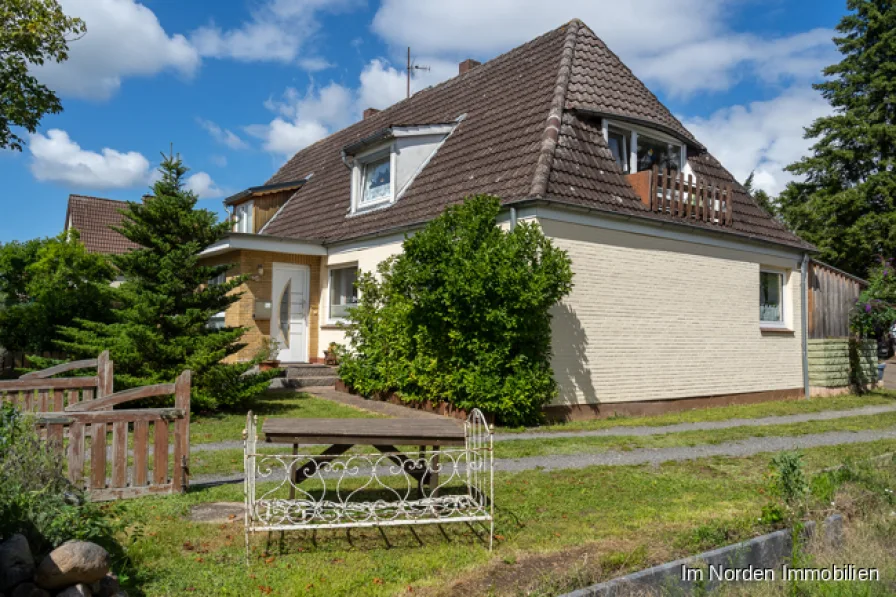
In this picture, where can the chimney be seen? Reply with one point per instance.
(369, 112)
(467, 65)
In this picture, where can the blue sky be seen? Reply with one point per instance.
(238, 86)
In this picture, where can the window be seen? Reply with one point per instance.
(635, 149)
(618, 141)
(376, 181)
(243, 220)
(771, 298)
(343, 293)
(216, 321)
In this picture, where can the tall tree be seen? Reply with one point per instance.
(765, 201)
(46, 283)
(32, 32)
(160, 324)
(845, 205)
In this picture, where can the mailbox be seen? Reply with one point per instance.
(262, 309)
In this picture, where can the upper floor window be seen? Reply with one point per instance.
(376, 181)
(244, 217)
(636, 149)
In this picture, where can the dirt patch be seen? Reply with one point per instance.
(217, 512)
(551, 573)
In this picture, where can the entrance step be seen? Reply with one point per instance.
(300, 370)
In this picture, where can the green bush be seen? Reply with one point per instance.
(36, 498)
(461, 316)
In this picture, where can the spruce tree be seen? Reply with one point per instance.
(845, 205)
(160, 321)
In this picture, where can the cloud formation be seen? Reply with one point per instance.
(56, 158)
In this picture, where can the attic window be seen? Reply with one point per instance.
(376, 181)
(636, 148)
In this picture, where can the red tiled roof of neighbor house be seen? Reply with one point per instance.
(93, 217)
(507, 145)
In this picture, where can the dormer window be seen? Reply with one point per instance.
(636, 148)
(385, 163)
(376, 181)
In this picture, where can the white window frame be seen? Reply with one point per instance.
(222, 315)
(634, 131)
(331, 320)
(361, 163)
(244, 217)
(782, 323)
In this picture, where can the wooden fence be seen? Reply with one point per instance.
(76, 416)
(832, 293)
(696, 199)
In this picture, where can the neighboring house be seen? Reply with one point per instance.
(93, 218)
(685, 291)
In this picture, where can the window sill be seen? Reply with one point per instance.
(775, 330)
(332, 325)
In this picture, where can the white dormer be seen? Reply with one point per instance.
(385, 164)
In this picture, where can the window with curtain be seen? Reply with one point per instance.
(771, 294)
(376, 185)
(343, 293)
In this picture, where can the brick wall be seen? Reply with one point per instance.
(656, 319)
(242, 312)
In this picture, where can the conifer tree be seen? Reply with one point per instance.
(845, 205)
(160, 321)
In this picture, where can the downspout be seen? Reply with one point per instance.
(804, 324)
(512, 217)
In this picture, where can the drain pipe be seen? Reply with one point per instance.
(804, 324)
(512, 217)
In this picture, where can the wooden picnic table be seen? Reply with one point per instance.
(340, 435)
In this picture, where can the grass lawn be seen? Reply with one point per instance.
(231, 461)
(722, 413)
(555, 531)
(220, 427)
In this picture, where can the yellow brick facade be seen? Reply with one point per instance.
(657, 319)
(258, 287)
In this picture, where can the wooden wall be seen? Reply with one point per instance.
(267, 205)
(832, 294)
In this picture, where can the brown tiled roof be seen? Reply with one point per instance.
(509, 145)
(92, 218)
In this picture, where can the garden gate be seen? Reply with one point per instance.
(76, 418)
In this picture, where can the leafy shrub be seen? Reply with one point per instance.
(462, 316)
(36, 498)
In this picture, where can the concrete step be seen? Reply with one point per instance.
(308, 370)
(281, 383)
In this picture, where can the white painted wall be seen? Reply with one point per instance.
(652, 318)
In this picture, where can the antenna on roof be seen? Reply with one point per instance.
(411, 68)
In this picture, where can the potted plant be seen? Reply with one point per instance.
(267, 354)
(331, 354)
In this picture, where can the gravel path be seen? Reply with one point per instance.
(747, 447)
(639, 431)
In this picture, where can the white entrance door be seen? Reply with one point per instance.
(289, 319)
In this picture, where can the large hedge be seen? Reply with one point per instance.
(462, 315)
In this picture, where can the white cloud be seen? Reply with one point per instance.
(683, 46)
(305, 118)
(56, 158)
(221, 135)
(761, 136)
(123, 38)
(315, 64)
(203, 185)
(276, 31)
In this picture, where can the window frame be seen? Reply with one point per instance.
(359, 175)
(780, 324)
(331, 319)
(634, 131)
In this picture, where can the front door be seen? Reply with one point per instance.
(290, 311)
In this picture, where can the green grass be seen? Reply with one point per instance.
(231, 461)
(554, 530)
(219, 427)
(722, 413)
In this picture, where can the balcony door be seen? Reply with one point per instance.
(289, 321)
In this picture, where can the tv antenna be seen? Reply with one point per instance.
(411, 68)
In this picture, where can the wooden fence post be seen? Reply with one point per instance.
(180, 479)
(104, 374)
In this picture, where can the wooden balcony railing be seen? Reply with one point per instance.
(695, 199)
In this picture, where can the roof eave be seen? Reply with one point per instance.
(268, 188)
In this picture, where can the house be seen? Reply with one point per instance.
(687, 293)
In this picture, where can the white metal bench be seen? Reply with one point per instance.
(342, 489)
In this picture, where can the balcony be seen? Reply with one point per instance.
(696, 199)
